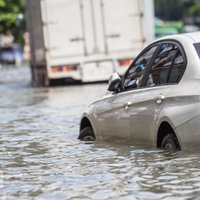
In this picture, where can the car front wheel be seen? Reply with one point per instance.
(170, 142)
(87, 134)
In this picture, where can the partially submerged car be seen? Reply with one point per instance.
(156, 102)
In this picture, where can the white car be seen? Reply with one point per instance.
(156, 102)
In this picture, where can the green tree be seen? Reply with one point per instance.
(11, 18)
(168, 9)
(195, 7)
(175, 10)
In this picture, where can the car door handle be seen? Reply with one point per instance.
(127, 105)
(159, 99)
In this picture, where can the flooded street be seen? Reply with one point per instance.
(41, 158)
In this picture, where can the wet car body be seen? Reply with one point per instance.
(163, 100)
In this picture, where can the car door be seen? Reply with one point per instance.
(149, 100)
(114, 116)
(113, 119)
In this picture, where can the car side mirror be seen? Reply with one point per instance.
(114, 82)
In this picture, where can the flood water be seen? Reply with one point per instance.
(41, 158)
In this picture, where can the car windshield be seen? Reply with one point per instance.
(197, 47)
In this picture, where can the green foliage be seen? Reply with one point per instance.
(169, 9)
(195, 8)
(192, 7)
(175, 10)
(9, 22)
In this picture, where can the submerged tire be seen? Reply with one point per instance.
(170, 142)
(87, 134)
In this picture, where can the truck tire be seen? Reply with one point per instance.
(87, 134)
(170, 142)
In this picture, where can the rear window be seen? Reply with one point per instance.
(197, 47)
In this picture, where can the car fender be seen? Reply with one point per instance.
(189, 133)
(177, 114)
(90, 115)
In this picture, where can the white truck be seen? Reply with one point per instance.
(86, 40)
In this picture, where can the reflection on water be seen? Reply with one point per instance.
(41, 158)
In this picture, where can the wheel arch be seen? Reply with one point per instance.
(164, 128)
(85, 122)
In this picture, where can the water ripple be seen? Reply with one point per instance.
(41, 158)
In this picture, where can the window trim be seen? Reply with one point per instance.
(181, 50)
(135, 60)
(149, 67)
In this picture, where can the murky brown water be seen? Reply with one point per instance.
(41, 158)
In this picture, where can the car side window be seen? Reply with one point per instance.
(133, 78)
(177, 69)
(167, 66)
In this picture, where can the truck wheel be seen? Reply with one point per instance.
(87, 134)
(170, 142)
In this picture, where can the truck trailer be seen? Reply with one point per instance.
(86, 40)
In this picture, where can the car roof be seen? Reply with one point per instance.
(194, 37)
